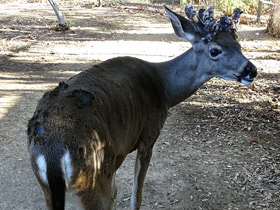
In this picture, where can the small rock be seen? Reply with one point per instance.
(254, 141)
(276, 90)
(216, 98)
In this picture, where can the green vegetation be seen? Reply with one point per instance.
(61, 27)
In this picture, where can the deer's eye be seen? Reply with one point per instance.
(214, 52)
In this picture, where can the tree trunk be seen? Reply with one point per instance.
(59, 15)
(273, 26)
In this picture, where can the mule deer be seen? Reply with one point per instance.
(83, 129)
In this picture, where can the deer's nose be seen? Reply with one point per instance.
(250, 71)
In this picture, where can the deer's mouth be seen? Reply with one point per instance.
(245, 80)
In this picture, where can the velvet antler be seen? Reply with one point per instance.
(206, 24)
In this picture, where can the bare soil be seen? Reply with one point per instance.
(219, 149)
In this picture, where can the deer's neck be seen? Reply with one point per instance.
(182, 76)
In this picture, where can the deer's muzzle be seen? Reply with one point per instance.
(248, 74)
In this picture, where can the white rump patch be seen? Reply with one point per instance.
(66, 167)
(42, 168)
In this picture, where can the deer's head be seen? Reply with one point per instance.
(215, 42)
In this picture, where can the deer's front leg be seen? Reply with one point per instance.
(143, 158)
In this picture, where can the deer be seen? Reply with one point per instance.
(83, 129)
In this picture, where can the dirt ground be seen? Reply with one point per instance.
(220, 149)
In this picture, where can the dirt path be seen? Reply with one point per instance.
(218, 150)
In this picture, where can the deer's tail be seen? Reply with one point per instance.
(53, 169)
(57, 184)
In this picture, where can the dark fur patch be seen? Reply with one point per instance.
(53, 93)
(62, 86)
(81, 152)
(84, 96)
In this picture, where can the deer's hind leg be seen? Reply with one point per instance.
(142, 162)
(100, 197)
(95, 185)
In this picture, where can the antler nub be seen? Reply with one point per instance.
(225, 23)
(211, 26)
(236, 13)
(191, 15)
(190, 12)
(236, 17)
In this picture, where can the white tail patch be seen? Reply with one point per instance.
(42, 168)
(66, 167)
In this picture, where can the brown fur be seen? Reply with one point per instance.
(128, 108)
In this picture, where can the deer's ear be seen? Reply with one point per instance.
(183, 28)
